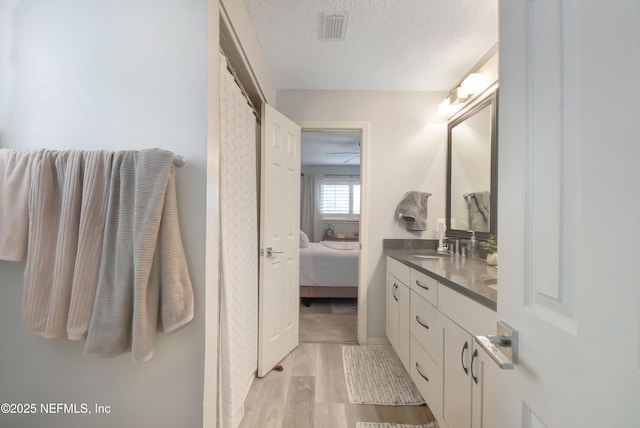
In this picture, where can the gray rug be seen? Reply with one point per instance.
(386, 425)
(375, 375)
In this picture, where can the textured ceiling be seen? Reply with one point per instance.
(330, 147)
(393, 45)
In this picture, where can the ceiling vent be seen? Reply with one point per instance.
(335, 26)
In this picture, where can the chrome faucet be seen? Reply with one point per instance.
(454, 246)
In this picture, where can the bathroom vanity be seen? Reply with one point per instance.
(436, 304)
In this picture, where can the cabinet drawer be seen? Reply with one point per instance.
(425, 326)
(470, 315)
(425, 286)
(398, 270)
(427, 376)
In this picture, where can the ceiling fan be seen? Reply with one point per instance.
(355, 155)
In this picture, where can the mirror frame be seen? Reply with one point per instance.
(490, 100)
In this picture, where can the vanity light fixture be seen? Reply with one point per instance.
(472, 84)
(444, 107)
(457, 96)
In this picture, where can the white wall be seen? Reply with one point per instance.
(407, 151)
(116, 75)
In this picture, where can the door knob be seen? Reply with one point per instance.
(269, 252)
(503, 347)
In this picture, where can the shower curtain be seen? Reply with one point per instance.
(238, 252)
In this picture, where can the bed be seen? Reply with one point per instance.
(329, 269)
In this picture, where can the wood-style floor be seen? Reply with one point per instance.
(321, 322)
(311, 393)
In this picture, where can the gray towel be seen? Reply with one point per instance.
(413, 210)
(478, 205)
(144, 282)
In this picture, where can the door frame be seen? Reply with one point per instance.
(363, 279)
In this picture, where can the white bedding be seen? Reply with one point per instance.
(329, 267)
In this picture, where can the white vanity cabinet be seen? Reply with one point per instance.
(468, 375)
(469, 380)
(484, 388)
(456, 378)
(398, 305)
(426, 349)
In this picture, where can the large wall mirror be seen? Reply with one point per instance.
(472, 171)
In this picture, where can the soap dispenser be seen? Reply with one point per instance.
(442, 247)
(472, 252)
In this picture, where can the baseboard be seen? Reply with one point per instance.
(377, 341)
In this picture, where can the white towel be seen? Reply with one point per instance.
(413, 210)
(15, 179)
(67, 207)
(143, 270)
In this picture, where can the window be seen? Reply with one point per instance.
(340, 198)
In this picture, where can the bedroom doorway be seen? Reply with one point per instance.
(332, 308)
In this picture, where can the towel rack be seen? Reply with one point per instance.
(469, 195)
(179, 161)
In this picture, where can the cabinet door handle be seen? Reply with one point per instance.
(395, 288)
(419, 284)
(473, 376)
(464, 348)
(419, 321)
(420, 372)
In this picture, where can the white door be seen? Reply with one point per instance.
(569, 210)
(279, 239)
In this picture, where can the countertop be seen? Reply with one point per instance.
(466, 276)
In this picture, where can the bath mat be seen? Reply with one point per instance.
(387, 425)
(344, 308)
(375, 375)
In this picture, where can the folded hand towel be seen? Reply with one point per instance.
(143, 268)
(413, 210)
(67, 207)
(15, 179)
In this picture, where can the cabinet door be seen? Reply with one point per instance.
(392, 311)
(456, 375)
(484, 376)
(427, 375)
(404, 325)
